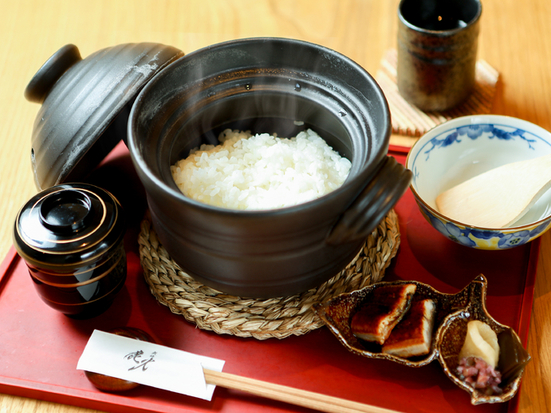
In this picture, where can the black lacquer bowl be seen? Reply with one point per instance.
(71, 237)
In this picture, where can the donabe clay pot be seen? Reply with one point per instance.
(265, 85)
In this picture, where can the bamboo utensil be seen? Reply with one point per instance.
(290, 395)
(500, 197)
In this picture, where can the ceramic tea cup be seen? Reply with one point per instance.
(437, 48)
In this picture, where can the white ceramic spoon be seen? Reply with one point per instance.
(499, 197)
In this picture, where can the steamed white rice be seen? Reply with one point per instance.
(262, 171)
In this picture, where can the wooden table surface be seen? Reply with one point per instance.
(515, 39)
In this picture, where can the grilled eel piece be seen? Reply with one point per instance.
(383, 308)
(412, 336)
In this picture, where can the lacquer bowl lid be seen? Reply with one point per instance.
(69, 226)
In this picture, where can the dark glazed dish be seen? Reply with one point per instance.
(265, 85)
(453, 312)
(513, 357)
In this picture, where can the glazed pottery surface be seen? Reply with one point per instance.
(85, 105)
(277, 86)
(437, 49)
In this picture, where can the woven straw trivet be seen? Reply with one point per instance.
(279, 317)
(409, 120)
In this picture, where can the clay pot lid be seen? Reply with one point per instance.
(85, 105)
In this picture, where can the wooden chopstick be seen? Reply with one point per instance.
(290, 395)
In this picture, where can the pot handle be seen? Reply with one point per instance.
(372, 204)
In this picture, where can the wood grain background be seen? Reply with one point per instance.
(515, 39)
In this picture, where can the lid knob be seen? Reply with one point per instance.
(65, 211)
(40, 85)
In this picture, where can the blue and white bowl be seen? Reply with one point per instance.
(465, 147)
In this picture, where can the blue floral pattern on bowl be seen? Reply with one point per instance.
(483, 239)
(474, 132)
(458, 146)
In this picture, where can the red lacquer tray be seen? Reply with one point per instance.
(39, 347)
